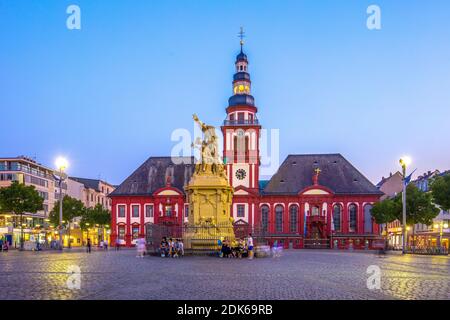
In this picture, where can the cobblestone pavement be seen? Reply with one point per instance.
(298, 274)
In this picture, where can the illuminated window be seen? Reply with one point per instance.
(241, 88)
(135, 232)
(122, 232)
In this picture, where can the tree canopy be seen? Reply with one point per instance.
(385, 211)
(19, 199)
(72, 208)
(419, 208)
(440, 190)
(97, 215)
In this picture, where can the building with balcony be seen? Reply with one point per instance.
(28, 171)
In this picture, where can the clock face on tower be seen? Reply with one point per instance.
(240, 174)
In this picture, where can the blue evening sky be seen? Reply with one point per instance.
(109, 95)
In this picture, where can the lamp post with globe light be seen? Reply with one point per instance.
(61, 164)
(404, 162)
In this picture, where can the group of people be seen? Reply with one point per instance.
(102, 245)
(171, 248)
(242, 248)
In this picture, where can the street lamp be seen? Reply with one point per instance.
(61, 164)
(404, 162)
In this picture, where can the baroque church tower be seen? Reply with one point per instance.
(241, 129)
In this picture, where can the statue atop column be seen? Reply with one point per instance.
(209, 149)
(209, 194)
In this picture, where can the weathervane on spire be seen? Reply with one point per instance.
(241, 36)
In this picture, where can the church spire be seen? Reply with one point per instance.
(241, 79)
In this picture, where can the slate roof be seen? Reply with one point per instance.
(88, 183)
(337, 174)
(152, 175)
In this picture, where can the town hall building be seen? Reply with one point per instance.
(312, 201)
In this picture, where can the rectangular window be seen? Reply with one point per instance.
(135, 232)
(240, 211)
(121, 210)
(240, 117)
(168, 211)
(121, 232)
(135, 211)
(149, 211)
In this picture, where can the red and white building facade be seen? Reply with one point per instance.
(312, 201)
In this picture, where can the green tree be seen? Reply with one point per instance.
(385, 212)
(19, 199)
(72, 208)
(95, 216)
(419, 208)
(440, 190)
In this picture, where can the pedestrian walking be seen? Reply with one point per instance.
(117, 244)
(140, 245)
(250, 246)
(88, 246)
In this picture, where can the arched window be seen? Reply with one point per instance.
(279, 218)
(293, 219)
(337, 213)
(368, 218)
(265, 218)
(352, 216)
